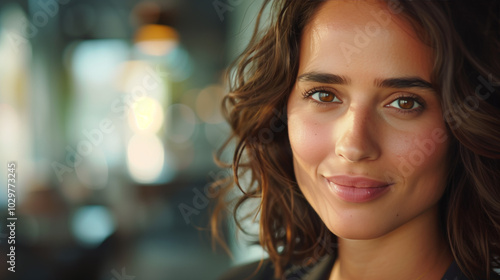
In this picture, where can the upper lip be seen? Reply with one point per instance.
(357, 181)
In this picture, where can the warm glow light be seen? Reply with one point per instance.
(146, 115)
(129, 74)
(145, 158)
(137, 79)
(155, 39)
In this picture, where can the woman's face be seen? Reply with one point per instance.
(366, 129)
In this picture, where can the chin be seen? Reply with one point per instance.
(359, 228)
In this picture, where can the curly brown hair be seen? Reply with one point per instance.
(465, 38)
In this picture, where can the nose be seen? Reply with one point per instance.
(356, 136)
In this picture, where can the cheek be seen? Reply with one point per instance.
(420, 157)
(309, 139)
(310, 145)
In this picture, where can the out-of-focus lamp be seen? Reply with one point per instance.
(155, 39)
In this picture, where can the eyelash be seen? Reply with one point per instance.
(307, 94)
(415, 98)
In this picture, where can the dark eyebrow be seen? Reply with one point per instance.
(406, 82)
(400, 83)
(325, 78)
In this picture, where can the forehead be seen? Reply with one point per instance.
(349, 36)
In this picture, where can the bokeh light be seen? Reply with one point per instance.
(208, 104)
(138, 79)
(146, 116)
(92, 224)
(145, 158)
(108, 54)
(13, 44)
(155, 39)
(9, 125)
(110, 109)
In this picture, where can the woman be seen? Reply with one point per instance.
(371, 134)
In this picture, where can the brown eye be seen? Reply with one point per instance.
(325, 97)
(406, 103)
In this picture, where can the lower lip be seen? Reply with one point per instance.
(357, 195)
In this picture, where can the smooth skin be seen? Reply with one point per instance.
(371, 112)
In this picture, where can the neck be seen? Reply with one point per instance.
(416, 250)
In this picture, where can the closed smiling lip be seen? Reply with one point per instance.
(356, 182)
(356, 189)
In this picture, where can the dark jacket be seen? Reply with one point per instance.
(320, 271)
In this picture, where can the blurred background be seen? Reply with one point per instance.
(110, 110)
